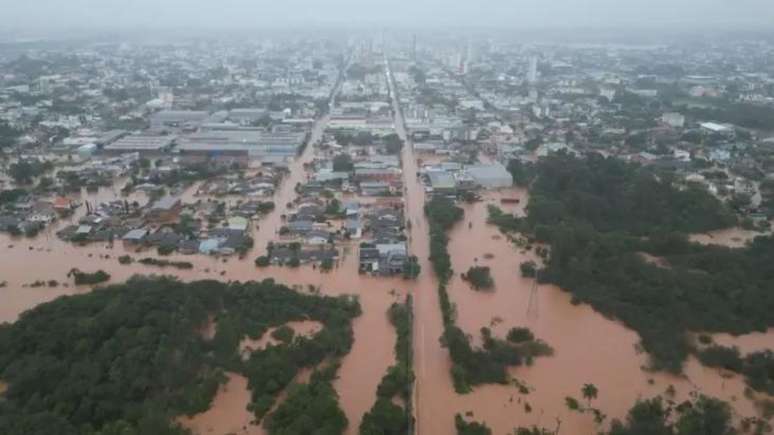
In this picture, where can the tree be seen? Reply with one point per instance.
(520, 335)
(393, 143)
(479, 277)
(589, 392)
(528, 269)
(129, 359)
(342, 163)
(8, 135)
(411, 268)
(22, 172)
(472, 428)
(648, 417)
(706, 417)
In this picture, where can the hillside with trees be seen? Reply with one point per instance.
(129, 358)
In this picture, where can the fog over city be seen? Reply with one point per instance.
(230, 14)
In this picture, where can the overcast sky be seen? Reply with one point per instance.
(86, 14)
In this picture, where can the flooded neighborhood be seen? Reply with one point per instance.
(317, 171)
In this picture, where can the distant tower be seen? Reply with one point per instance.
(532, 73)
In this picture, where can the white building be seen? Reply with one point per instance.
(490, 176)
(673, 119)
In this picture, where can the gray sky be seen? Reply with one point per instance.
(87, 14)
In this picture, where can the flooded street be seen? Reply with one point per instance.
(48, 258)
(588, 347)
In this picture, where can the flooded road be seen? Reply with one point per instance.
(589, 348)
(48, 258)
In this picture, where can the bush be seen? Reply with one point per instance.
(165, 250)
(528, 269)
(166, 263)
(284, 334)
(520, 335)
(263, 261)
(479, 277)
(125, 259)
(85, 278)
(411, 268)
(472, 428)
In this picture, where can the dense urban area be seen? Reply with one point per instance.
(386, 233)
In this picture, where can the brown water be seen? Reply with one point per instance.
(731, 237)
(589, 348)
(752, 342)
(303, 328)
(228, 414)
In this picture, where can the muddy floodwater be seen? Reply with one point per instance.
(731, 237)
(228, 415)
(303, 328)
(588, 347)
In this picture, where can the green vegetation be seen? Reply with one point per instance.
(125, 259)
(129, 358)
(534, 430)
(442, 214)
(479, 277)
(656, 417)
(10, 196)
(283, 334)
(362, 138)
(757, 117)
(470, 366)
(24, 171)
(342, 163)
(263, 261)
(311, 408)
(88, 278)
(520, 335)
(386, 417)
(521, 172)
(412, 268)
(528, 269)
(470, 428)
(599, 214)
(757, 367)
(393, 143)
(149, 261)
(8, 134)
